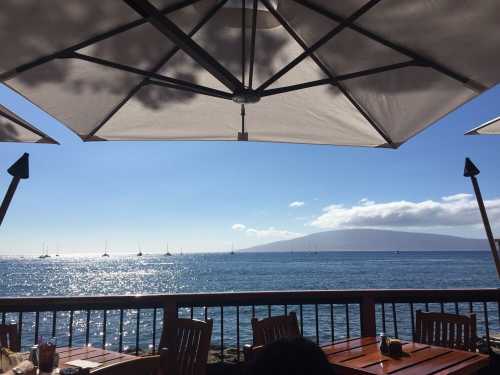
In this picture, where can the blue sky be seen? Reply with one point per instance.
(192, 194)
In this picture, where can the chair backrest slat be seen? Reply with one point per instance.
(193, 343)
(451, 339)
(9, 337)
(267, 330)
(445, 341)
(448, 330)
(437, 332)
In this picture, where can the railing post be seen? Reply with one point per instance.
(170, 328)
(367, 318)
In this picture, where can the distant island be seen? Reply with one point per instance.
(372, 240)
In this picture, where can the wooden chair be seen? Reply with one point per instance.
(141, 366)
(193, 343)
(9, 337)
(268, 330)
(448, 330)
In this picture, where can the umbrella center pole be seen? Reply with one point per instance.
(472, 171)
(243, 135)
(19, 170)
(487, 226)
(8, 198)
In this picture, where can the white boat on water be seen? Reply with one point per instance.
(167, 254)
(45, 252)
(105, 255)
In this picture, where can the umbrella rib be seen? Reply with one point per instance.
(114, 111)
(5, 113)
(202, 90)
(157, 67)
(95, 39)
(151, 75)
(470, 83)
(185, 43)
(367, 116)
(243, 41)
(252, 44)
(475, 131)
(332, 79)
(308, 52)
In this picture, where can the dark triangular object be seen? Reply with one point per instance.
(470, 169)
(20, 168)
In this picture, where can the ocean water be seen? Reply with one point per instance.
(81, 276)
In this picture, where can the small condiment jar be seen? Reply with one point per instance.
(33, 357)
(384, 346)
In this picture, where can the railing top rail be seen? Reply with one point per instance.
(31, 304)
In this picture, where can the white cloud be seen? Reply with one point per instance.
(269, 233)
(457, 197)
(238, 227)
(366, 202)
(272, 232)
(296, 204)
(451, 211)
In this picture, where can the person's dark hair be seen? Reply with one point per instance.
(291, 356)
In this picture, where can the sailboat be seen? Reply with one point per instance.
(105, 255)
(45, 252)
(139, 254)
(232, 249)
(167, 254)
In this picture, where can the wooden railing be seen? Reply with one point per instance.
(134, 323)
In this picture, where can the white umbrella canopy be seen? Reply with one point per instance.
(15, 129)
(360, 73)
(491, 127)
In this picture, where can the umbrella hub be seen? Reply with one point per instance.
(230, 14)
(246, 97)
(248, 4)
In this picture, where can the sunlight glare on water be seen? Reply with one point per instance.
(78, 276)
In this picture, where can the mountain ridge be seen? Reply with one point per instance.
(372, 240)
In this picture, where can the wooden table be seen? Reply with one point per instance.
(362, 356)
(105, 357)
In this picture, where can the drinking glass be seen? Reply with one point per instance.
(46, 356)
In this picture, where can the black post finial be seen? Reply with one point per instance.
(470, 169)
(20, 168)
